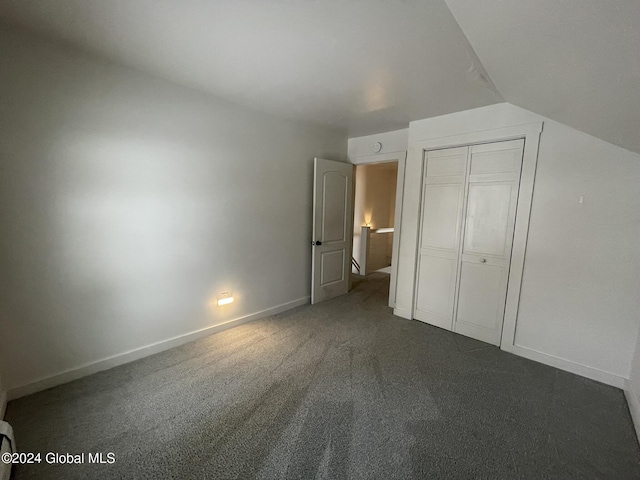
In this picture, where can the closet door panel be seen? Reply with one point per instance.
(495, 158)
(435, 297)
(440, 235)
(487, 222)
(441, 218)
(447, 162)
(481, 301)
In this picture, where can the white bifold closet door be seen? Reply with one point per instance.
(469, 204)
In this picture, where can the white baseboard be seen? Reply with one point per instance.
(634, 408)
(3, 404)
(551, 360)
(569, 366)
(135, 354)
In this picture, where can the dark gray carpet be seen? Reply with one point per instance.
(339, 390)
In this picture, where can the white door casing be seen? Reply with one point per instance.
(397, 230)
(401, 158)
(332, 219)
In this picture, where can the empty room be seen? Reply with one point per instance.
(304, 239)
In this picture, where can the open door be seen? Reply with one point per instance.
(331, 243)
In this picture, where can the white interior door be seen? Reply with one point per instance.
(332, 219)
(492, 195)
(439, 249)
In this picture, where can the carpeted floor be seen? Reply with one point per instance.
(339, 390)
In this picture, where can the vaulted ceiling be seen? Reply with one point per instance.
(369, 66)
(575, 61)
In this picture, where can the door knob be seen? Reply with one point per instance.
(483, 260)
(318, 243)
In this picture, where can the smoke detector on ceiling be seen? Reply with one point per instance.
(377, 147)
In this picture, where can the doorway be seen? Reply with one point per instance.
(374, 219)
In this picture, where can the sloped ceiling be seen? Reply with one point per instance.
(366, 66)
(369, 66)
(575, 61)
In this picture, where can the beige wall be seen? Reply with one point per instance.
(128, 203)
(375, 201)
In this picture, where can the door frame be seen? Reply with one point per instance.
(531, 135)
(400, 157)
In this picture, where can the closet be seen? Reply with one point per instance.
(469, 200)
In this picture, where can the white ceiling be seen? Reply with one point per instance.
(370, 66)
(367, 66)
(575, 61)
